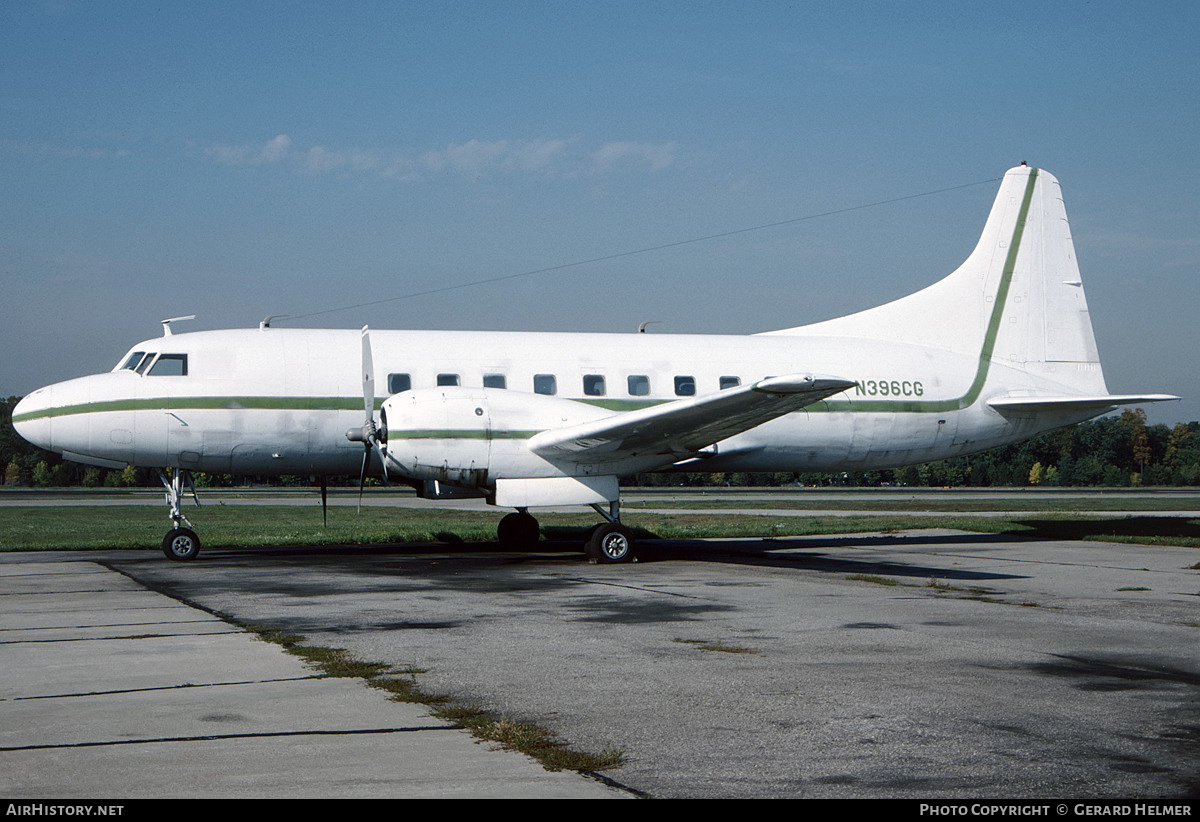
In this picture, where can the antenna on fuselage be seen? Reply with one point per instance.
(266, 322)
(642, 326)
(167, 323)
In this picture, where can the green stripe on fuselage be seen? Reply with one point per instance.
(260, 403)
(459, 434)
(204, 403)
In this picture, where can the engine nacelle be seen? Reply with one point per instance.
(473, 436)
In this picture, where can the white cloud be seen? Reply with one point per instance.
(537, 155)
(319, 160)
(273, 151)
(611, 155)
(65, 152)
(476, 158)
(473, 159)
(276, 149)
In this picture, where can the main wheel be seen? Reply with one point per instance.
(610, 542)
(181, 544)
(518, 531)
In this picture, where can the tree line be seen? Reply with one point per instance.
(1110, 451)
(1118, 451)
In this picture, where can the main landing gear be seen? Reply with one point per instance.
(518, 531)
(609, 542)
(180, 544)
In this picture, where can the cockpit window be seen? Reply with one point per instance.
(170, 365)
(155, 364)
(132, 361)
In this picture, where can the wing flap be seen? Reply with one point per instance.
(1026, 404)
(682, 428)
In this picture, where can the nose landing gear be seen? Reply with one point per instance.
(180, 544)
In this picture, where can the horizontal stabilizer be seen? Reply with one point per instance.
(683, 427)
(1003, 404)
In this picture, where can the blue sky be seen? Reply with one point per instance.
(234, 160)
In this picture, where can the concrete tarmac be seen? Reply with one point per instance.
(111, 690)
(929, 664)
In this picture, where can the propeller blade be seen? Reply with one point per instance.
(362, 476)
(368, 369)
(382, 458)
(324, 500)
(370, 438)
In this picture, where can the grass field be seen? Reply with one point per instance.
(41, 528)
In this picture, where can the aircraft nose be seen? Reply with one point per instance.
(32, 420)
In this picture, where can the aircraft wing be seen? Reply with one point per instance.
(681, 428)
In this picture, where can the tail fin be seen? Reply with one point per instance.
(1044, 328)
(1017, 299)
(1017, 303)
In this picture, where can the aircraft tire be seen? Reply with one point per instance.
(181, 545)
(610, 543)
(518, 531)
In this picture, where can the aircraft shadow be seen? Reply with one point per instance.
(832, 554)
(1133, 528)
(808, 554)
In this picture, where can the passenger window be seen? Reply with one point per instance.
(545, 384)
(131, 362)
(685, 386)
(730, 382)
(639, 385)
(399, 382)
(593, 385)
(494, 381)
(170, 365)
(447, 379)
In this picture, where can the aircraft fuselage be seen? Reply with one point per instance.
(278, 401)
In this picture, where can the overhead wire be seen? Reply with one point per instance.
(621, 254)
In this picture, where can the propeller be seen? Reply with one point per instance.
(369, 434)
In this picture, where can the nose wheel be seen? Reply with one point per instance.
(181, 544)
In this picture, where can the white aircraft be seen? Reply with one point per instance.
(995, 353)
